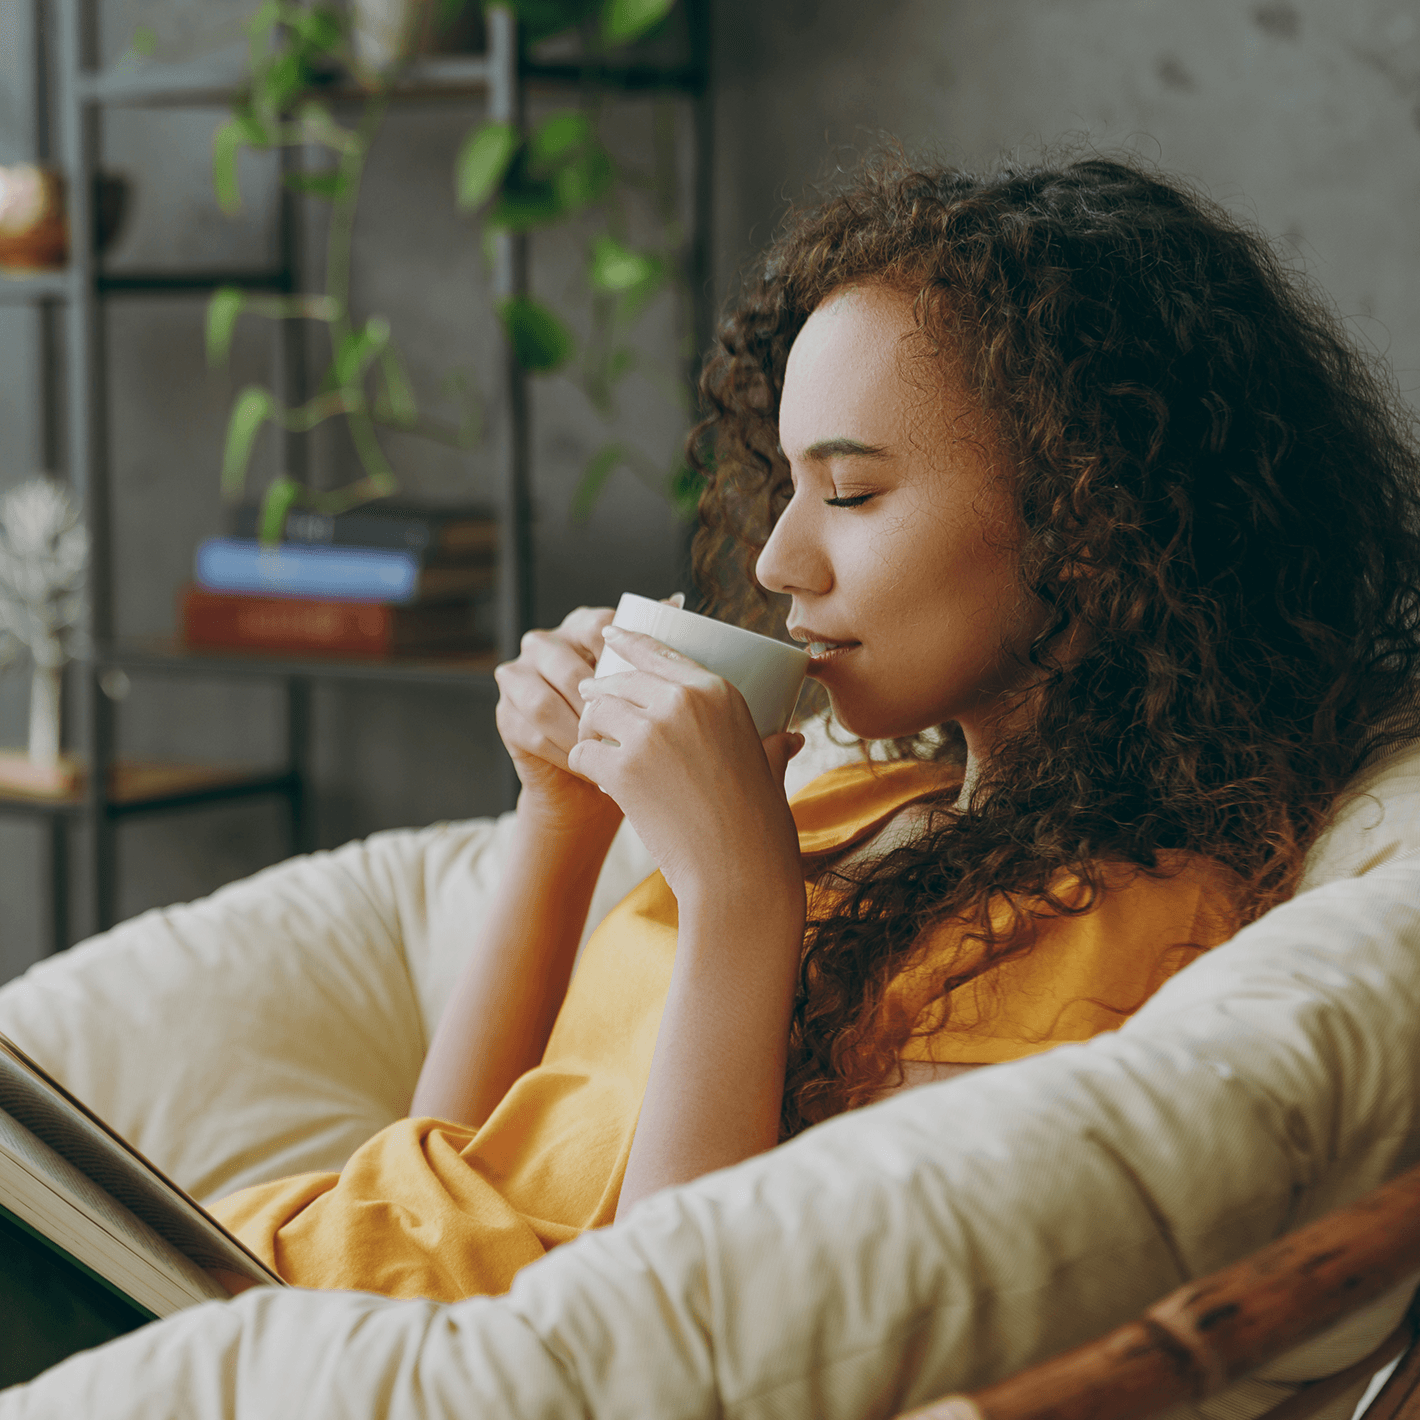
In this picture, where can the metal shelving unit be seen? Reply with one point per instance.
(82, 92)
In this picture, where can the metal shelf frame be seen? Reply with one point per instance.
(71, 97)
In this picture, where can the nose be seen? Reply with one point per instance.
(794, 560)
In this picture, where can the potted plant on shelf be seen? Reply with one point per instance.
(519, 182)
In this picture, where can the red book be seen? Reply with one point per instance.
(330, 627)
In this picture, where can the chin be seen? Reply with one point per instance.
(877, 722)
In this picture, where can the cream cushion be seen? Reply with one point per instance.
(936, 1241)
(273, 1027)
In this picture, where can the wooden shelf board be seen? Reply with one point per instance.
(133, 783)
(468, 670)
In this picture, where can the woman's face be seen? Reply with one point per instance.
(899, 545)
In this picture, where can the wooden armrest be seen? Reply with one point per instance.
(1210, 1333)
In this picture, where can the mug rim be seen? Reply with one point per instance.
(791, 647)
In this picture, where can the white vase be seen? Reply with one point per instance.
(45, 686)
(383, 33)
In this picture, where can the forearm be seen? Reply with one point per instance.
(717, 1077)
(496, 1024)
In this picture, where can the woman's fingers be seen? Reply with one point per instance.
(780, 749)
(613, 717)
(541, 707)
(558, 662)
(647, 654)
(588, 759)
(582, 629)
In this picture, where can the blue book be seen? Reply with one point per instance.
(349, 574)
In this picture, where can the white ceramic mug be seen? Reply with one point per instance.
(769, 674)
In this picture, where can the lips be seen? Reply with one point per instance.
(823, 650)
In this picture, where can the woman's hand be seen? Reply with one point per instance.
(675, 746)
(539, 708)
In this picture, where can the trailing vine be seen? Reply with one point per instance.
(514, 181)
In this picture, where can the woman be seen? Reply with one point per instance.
(1086, 507)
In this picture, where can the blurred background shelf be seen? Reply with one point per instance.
(436, 77)
(143, 787)
(16, 287)
(199, 85)
(111, 366)
(164, 655)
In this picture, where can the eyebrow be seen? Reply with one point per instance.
(844, 448)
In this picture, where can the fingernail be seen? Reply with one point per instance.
(676, 599)
(584, 687)
(611, 633)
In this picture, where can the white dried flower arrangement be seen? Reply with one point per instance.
(44, 551)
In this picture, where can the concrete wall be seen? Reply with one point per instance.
(385, 757)
(1302, 114)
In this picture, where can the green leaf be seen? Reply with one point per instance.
(226, 143)
(482, 162)
(593, 480)
(254, 406)
(222, 312)
(524, 205)
(319, 28)
(358, 349)
(627, 20)
(275, 504)
(620, 365)
(683, 488)
(331, 185)
(267, 17)
(556, 138)
(251, 128)
(616, 268)
(280, 83)
(586, 178)
(399, 396)
(541, 343)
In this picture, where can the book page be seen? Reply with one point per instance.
(77, 1135)
(55, 1199)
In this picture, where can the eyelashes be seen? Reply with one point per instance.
(855, 501)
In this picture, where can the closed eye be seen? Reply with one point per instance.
(856, 500)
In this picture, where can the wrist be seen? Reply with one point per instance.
(588, 825)
(767, 915)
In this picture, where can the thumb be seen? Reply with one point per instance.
(780, 749)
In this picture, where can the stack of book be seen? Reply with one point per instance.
(380, 580)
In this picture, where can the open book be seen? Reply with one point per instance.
(94, 1241)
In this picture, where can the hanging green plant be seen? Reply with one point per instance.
(517, 182)
(292, 52)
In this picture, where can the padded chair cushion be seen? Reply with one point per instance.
(934, 1242)
(937, 1241)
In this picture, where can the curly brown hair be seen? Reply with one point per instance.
(1209, 477)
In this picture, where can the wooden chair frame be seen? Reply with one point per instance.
(1213, 1332)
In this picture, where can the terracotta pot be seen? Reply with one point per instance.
(34, 230)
